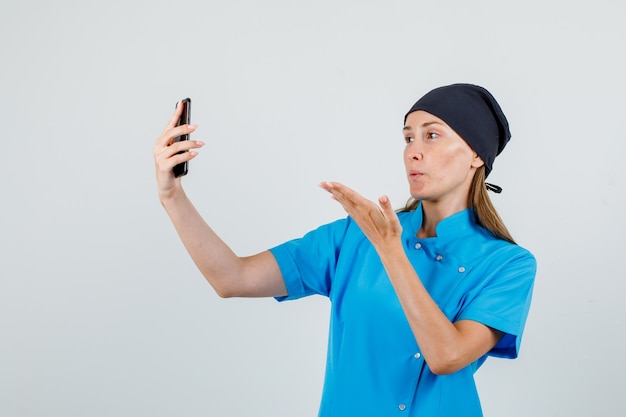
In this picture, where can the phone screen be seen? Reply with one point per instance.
(184, 119)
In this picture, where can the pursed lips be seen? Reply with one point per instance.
(415, 174)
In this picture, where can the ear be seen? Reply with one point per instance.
(477, 162)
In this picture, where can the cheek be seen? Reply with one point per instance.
(458, 155)
(455, 163)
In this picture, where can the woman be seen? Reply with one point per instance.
(420, 297)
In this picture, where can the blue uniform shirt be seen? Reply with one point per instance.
(374, 364)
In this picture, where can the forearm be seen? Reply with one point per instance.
(446, 346)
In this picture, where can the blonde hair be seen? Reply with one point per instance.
(478, 199)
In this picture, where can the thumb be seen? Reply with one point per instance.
(385, 205)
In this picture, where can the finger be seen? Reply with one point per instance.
(185, 145)
(351, 199)
(326, 186)
(337, 195)
(174, 119)
(166, 165)
(390, 214)
(182, 157)
(385, 205)
(352, 202)
(167, 137)
(165, 152)
(384, 202)
(340, 192)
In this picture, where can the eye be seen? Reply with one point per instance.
(432, 135)
(408, 139)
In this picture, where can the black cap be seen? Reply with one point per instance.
(473, 113)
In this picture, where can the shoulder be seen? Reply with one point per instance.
(484, 244)
(334, 233)
(491, 257)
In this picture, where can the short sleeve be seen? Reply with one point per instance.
(308, 263)
(504, 301)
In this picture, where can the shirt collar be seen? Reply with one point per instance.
(456, 225)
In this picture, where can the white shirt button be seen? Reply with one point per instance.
(439, 257)
(461, 269)
(402, 407)
(418, 245)
(417, 355)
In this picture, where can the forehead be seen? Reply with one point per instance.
(420, 119)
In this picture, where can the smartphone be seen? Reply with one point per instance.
(184, 119)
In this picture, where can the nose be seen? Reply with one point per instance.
(413, 152)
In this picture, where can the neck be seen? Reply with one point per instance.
(435, 211)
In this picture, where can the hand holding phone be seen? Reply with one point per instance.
(184, 119)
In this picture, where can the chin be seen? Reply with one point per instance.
(425, 195)
(419, 194)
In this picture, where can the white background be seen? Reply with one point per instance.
(102, 312)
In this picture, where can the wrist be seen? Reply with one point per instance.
(171, 196)
(391, 251)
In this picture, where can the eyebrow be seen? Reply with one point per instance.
(409, 128)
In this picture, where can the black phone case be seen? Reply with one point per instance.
(184, 119)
